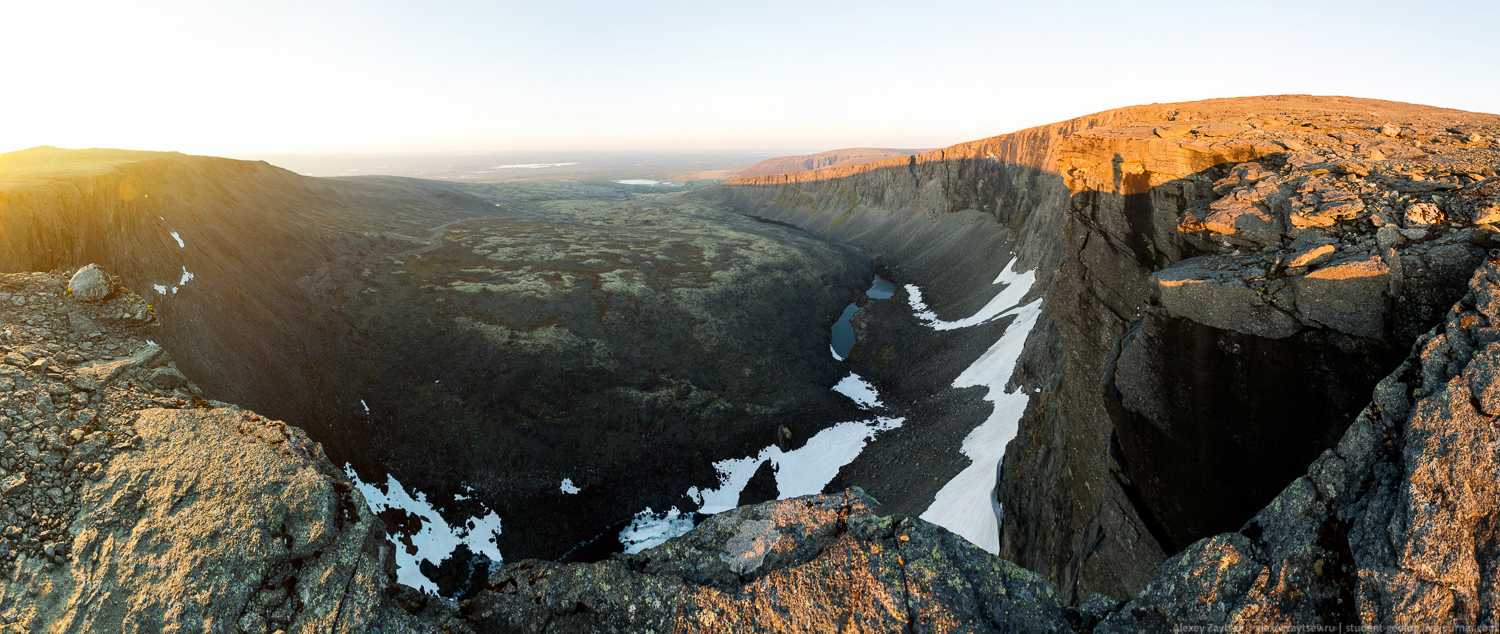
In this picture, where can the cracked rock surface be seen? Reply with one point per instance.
(819, 563)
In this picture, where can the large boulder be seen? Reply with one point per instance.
(90, 284)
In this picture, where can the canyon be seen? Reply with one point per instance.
(1235, 359)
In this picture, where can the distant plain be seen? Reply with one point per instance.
(503, 166)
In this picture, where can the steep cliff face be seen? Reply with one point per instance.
(1225, 389)
(1393, 527)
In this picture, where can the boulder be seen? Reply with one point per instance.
(1348, 295)
(1243, 220)
(1196, 289)
(90, 284)
(1424, 214)
(1310, 249)
(81, 324)
(1478, 203)
(165, 378)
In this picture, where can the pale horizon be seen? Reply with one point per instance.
(278, 78)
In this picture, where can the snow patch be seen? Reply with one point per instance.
(366, 406)
(802, 471)
(1017, 284)
(186, 276)
(436, 540)
(159, 288)
(967, 505)
(649, 529)
(569, 488)
(148, 341)
(179, 240)
(858, 390)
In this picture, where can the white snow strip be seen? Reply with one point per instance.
(159, 288)
(174, 290)
(650, 529)
(802, 471)
(569, 488)
(148, 341)
(185, 277)
(179, 240)
(436, 540)
(835, 352)
(366, 406)
(966, 505)
(1017, 284)
(859, 390)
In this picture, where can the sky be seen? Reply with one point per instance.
(328, 76)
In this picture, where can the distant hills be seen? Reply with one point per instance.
(807, 162)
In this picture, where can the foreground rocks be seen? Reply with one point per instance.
(130, 504)
(821, 563)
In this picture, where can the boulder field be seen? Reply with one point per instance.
(1260, 392)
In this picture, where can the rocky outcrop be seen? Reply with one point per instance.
(1251, 267)
(1396, 526)
(813, 564)
(132, 507)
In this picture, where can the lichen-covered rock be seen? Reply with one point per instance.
(90, 284)
(218, 521)
(820, 563)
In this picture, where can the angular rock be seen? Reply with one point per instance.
(1197, 290)
(166, 378)
(1424, 214)
(1312, 255)
(101, 373)
(81, 324)
(1479, 203)
(1243, 220)
(90, 284)
(1348, 295)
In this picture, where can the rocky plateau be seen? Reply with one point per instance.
(1255, 389)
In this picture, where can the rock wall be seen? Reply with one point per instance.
(1095, 486)
(1395, 526)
